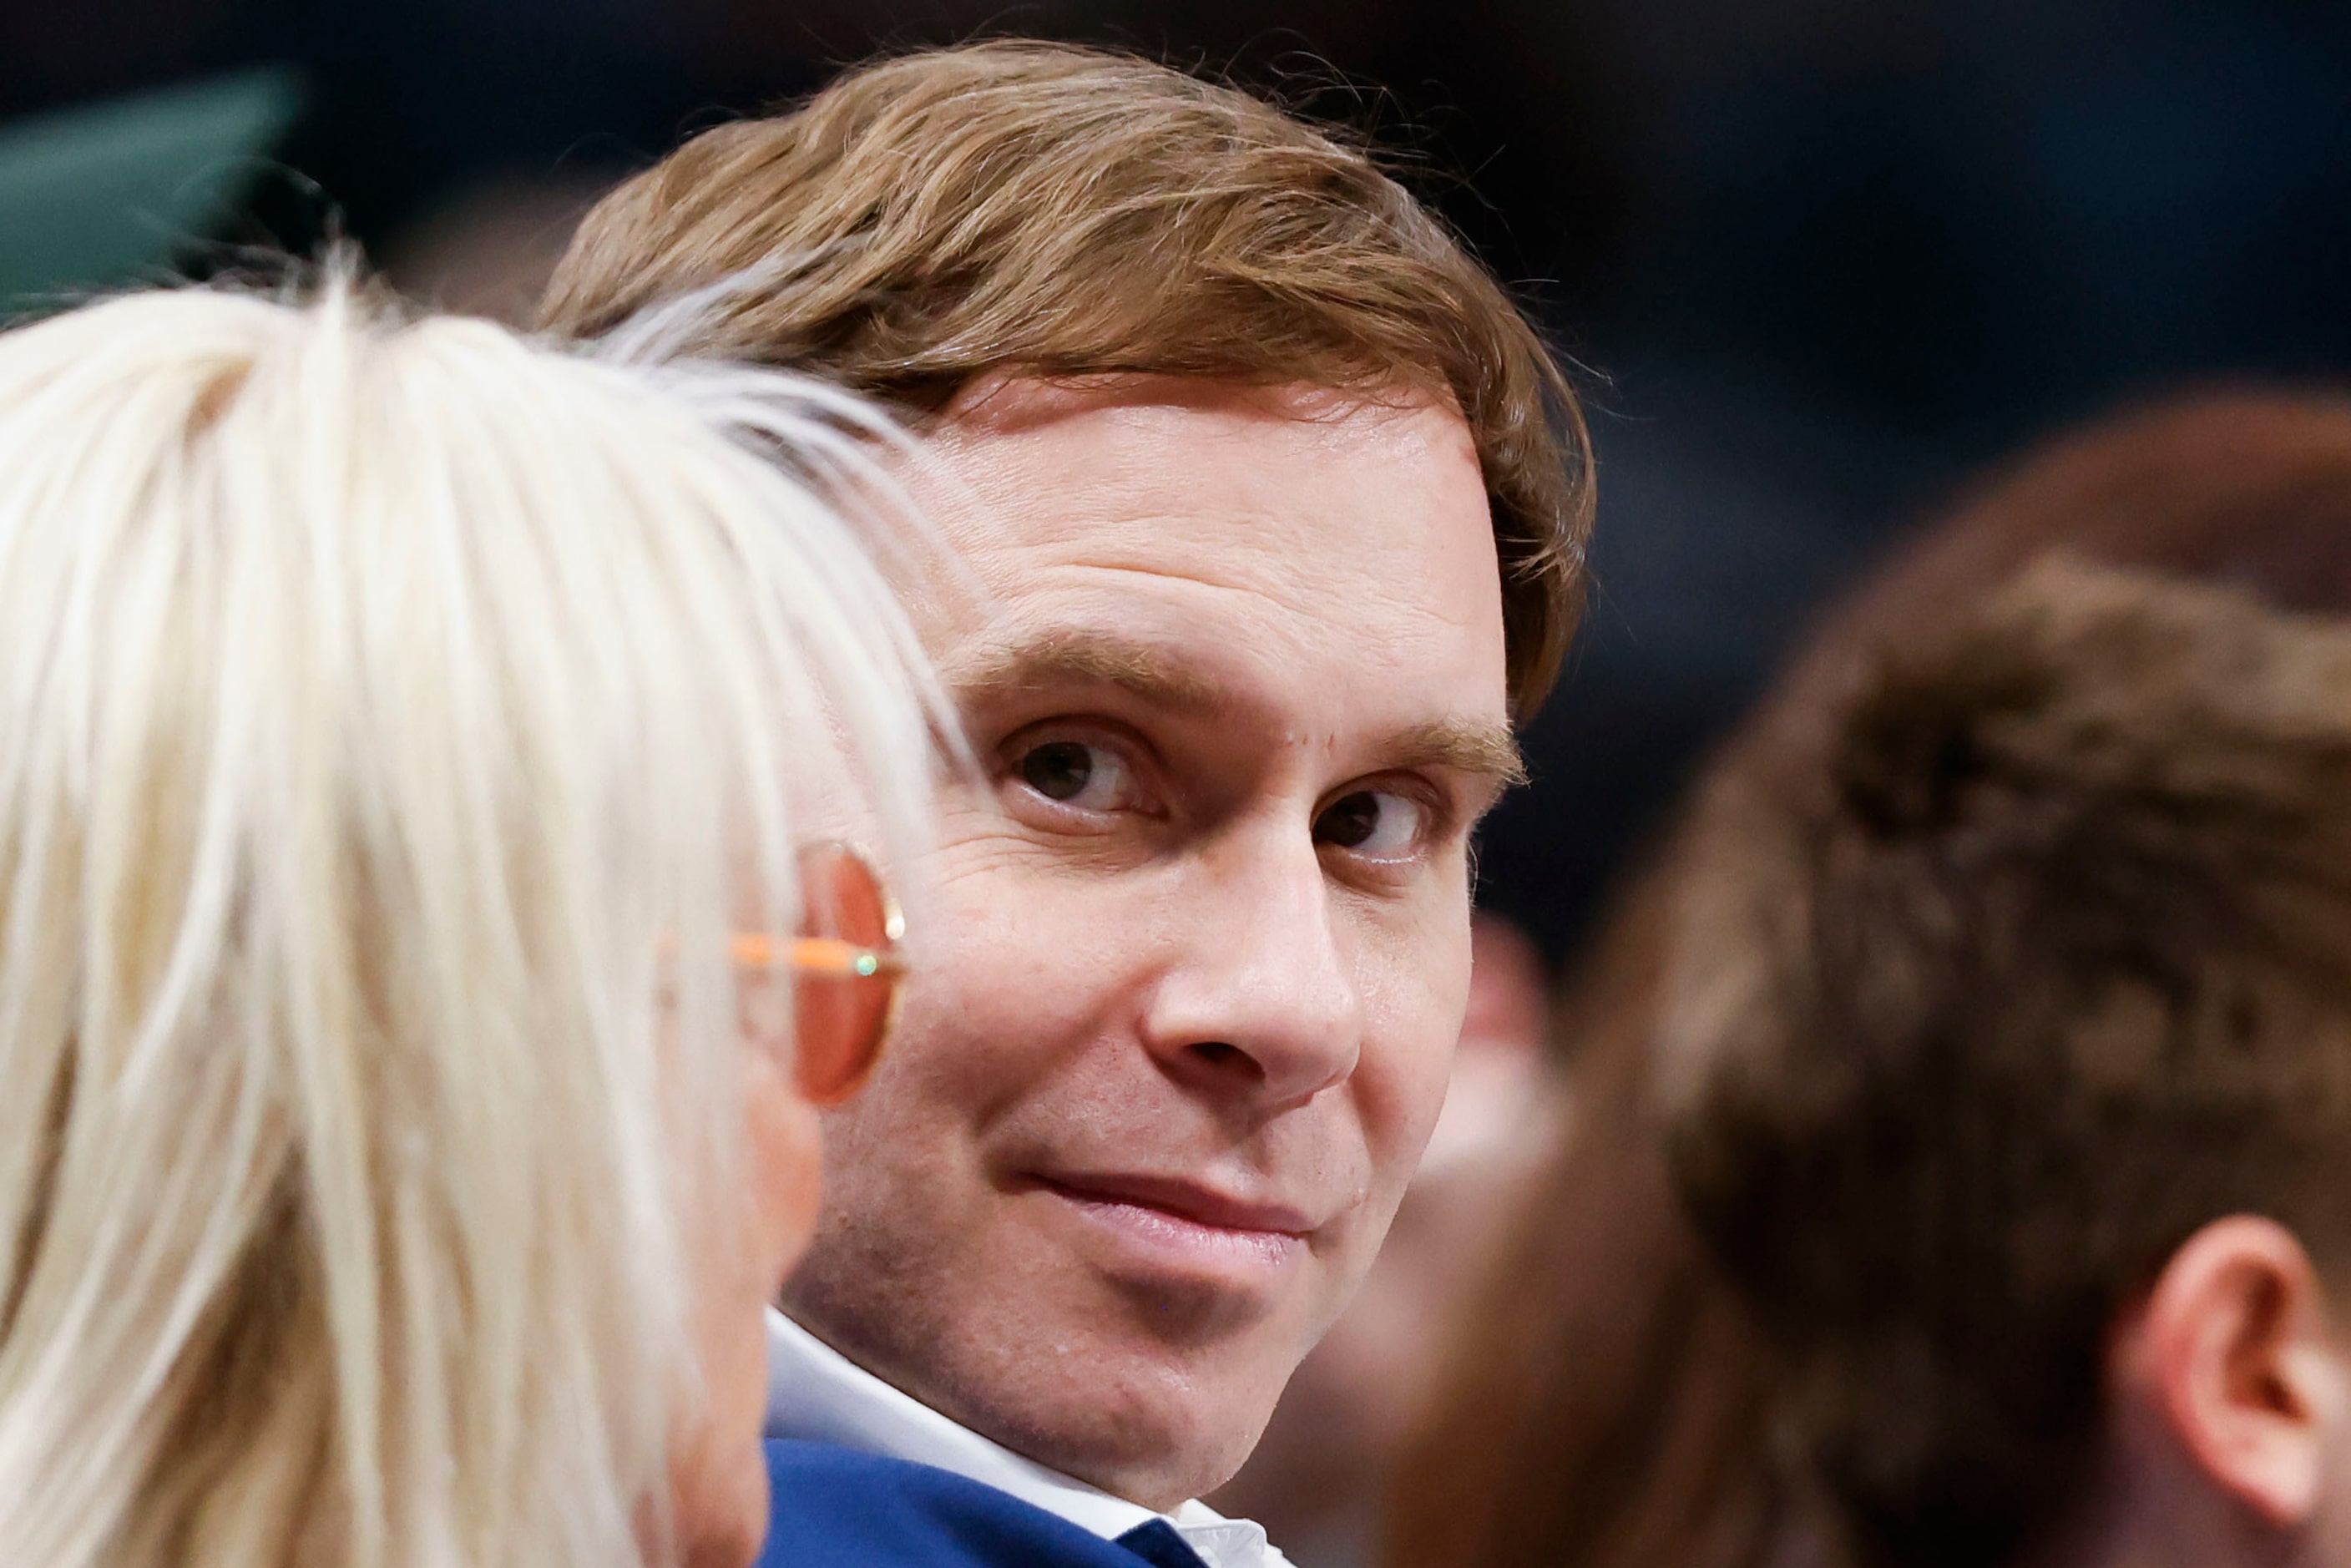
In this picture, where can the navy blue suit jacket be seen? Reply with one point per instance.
(836, 1508)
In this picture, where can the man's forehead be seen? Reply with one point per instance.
(1381, 499)
(1213, 556)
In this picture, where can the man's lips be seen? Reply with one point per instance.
(1186, 1200)
(1181, 1229)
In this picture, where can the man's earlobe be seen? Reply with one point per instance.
(2234, 1352)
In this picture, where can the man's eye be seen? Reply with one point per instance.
(1072, 773)
(1378, 823)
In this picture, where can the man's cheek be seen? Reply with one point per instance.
(979, 1037)
(1420, 1033)
(1401, 1081)
(1034, 953)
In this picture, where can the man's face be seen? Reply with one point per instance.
(1199, 947)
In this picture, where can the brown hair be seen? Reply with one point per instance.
(1607, 1407)
(1050, 210)
(2042, 963)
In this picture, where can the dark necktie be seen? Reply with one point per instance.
(1158, 1544)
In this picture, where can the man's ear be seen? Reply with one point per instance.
(2234, 1352)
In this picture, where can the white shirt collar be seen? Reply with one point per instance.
(818, 1395)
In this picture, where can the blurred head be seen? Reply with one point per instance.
(412, 731)
(1596, 1404)
(1607, 1405)
(2009, 1059)
(1276, 506)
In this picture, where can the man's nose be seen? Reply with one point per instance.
(1260, 1000)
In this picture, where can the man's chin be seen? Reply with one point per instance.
(1145, 1369)
(1135, 1434)
(1168, 1347)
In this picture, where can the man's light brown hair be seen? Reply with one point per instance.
(2038, 961)
(1062, 211)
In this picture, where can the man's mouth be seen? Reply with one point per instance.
(1184, 1223)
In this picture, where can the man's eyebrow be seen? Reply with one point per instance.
(1066, 658)
(1481, 748)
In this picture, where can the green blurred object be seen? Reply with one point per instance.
(92, 196)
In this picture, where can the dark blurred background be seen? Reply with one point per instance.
(1818, 258)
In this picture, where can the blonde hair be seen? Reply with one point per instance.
(1052, 210)
(394, 714)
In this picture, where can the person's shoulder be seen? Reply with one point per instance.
(837, 1507)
